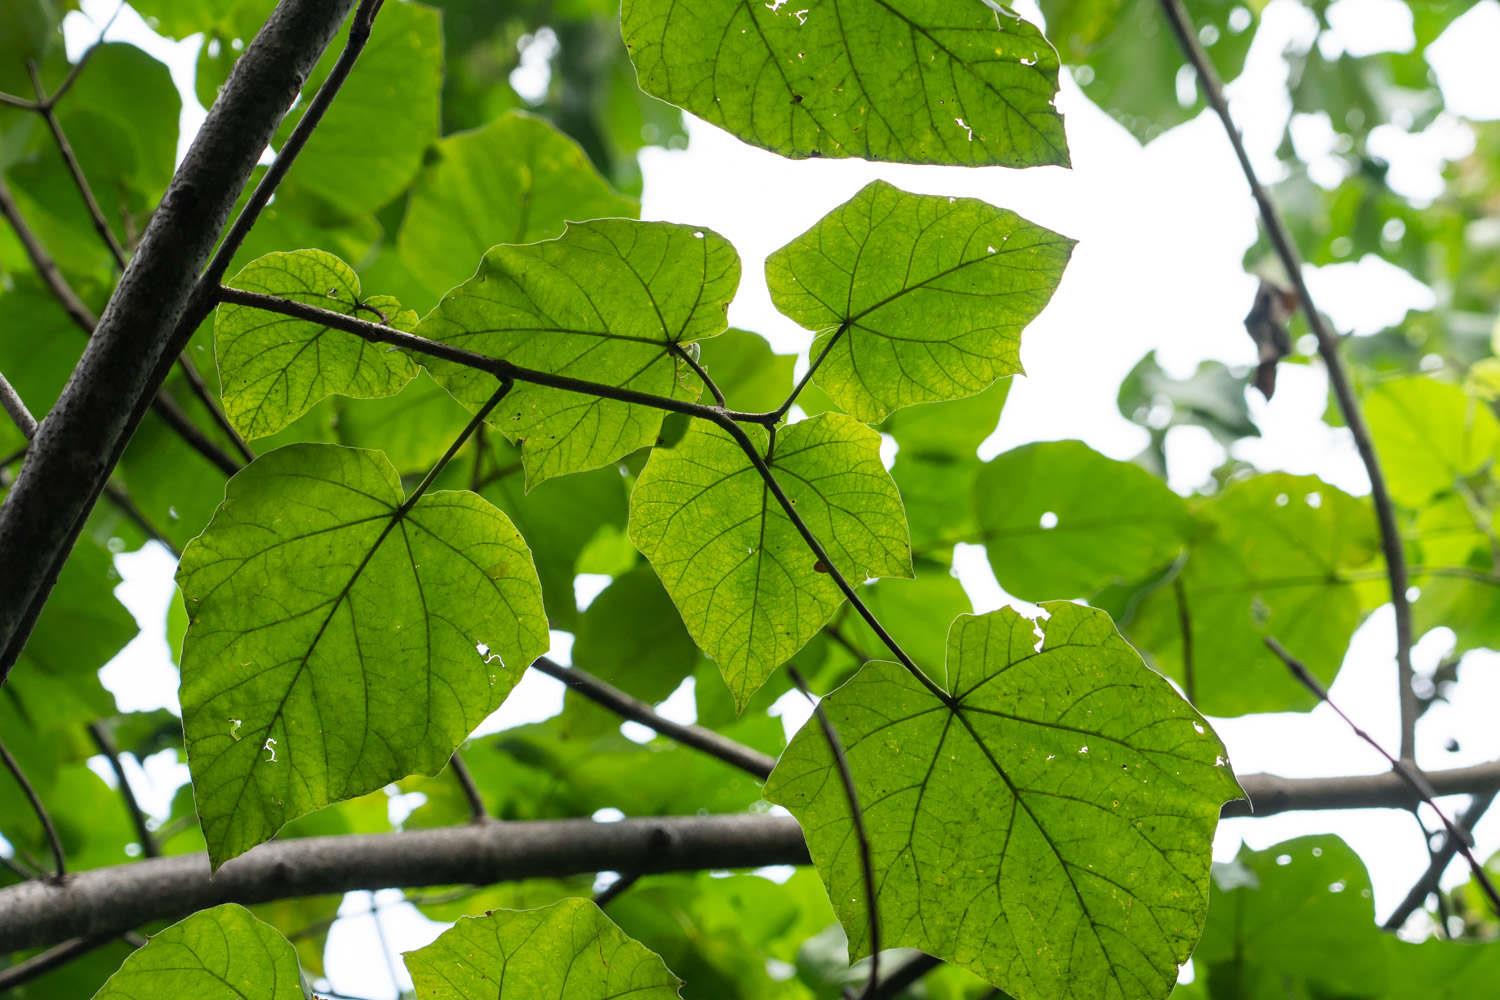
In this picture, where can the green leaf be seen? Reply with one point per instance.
(370, 142)
(365, 640)
(915, 298)
(274, 368)
(632, 637)
(1126, 59)
(1060, 520)
(413, 427)
(612, 301)
(559, 519)
(749, 589)
(910, 81)
(727, 935)
(1048, 828)
(1276, 555)
(938, 460)
(1429, 435)
(567, 951)
(516, 180)
(222, 953)
(1300, 910)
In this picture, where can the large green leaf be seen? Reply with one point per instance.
(567, 951)
(1430, 435)
(937, 460)
(632, 637)
(369, 144)
(1048, 827)
(749, 589)
(1300, 910)
(223, 953)
(914, 81)
(612, 301)
(274, 368)
(338, 641)
(1276, 555)
(915, 298)
(516, 180)
(1059, 519)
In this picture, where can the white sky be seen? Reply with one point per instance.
(1161, 232)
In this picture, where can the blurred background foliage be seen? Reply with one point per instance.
(498, 119)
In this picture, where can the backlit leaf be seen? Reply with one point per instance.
(1278, 555)
(1048, 828)
(338, 642)
(1060, 520)
(611, 301)
(567, 951)
(273, 368)
(915, 298)
(913, 81)
(223, 953)
(1429, 435)
(516, 180)
(750, 591)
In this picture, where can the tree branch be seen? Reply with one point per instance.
(43, 817)
(1338, 378)
(147, 320)
(106, 746)
(1408, 773)
(1441, 859)
(857, 819)
(465, 779)
(110, 900)
(747, 759)
(55, 957)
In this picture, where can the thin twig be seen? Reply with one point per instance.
(701, 372)
(1185, 626)
(46, 268)
(75, 170)
(46, 108)
(76, 69)
(904, 975)
(359, 33)
(42, 815)
(747, 759)
(615, 889)
(379, 333)
(125, 505)
(84, 318)
(1338, 378)
(57, 956)
(1409, 774)
(15, 407)
(106, 745)
(216, 413)
(857, 816)
(477, 812)
(1441, 859)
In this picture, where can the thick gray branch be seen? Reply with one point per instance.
(109, 901)
(133, 345)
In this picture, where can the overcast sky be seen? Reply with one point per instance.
(1161, 230)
